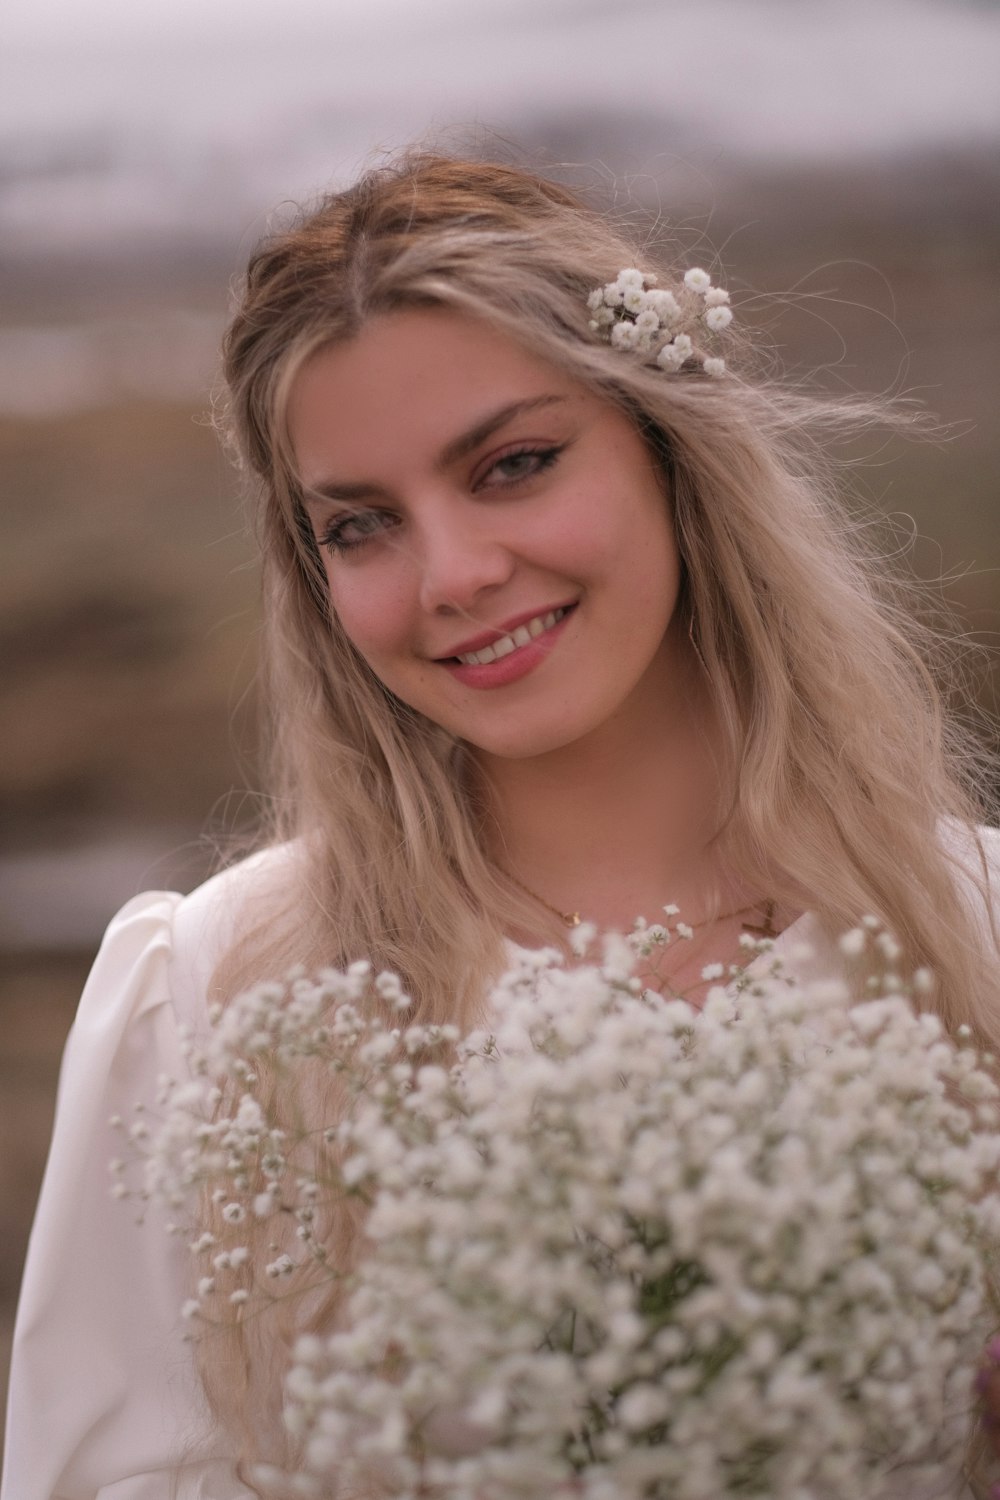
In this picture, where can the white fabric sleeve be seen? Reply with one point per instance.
(104, 1398)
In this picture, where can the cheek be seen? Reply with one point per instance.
(374, 618)
(628, 540)
(653, 537)
(575, 541)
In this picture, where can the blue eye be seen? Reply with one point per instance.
(523, 463)
(351, 531)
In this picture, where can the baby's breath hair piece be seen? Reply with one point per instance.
(631, 312)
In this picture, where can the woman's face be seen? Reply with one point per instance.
(496, 538)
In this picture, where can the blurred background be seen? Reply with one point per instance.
(840, 157)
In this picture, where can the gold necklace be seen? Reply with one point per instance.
(765, 930)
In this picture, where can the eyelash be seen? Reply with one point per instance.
(545, 457)
(334, 540)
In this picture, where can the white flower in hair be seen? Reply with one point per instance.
(632, 314)
(718, 318)
(624, 336)
(665, 306)
(670, 357)
(697, 279)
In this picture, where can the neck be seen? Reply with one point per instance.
(619, 823)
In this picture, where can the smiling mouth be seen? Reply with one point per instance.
(522, 636)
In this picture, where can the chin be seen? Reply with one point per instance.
(527, 745)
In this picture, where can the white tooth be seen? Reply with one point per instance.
(520, 637)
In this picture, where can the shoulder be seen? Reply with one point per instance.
(238, 892)
(990, 839)
(811, 951)
(972, 847)
(990, 842)
(98, 1336)
(975, 856)
(155, 964)
(207, 922)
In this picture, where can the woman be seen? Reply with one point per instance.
(562, 618)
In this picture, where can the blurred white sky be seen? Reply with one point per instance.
(123, 116)
(141, 128)
(774, 75)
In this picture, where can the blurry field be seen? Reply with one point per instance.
(38, 994)
(127, 625)
(128, 598)
(127, 637)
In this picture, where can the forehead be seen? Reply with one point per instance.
(409, 381)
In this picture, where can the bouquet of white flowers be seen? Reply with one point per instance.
(616, 1247)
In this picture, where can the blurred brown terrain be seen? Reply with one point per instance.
(128, 600)
(127, 634)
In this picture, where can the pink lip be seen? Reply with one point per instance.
(487, 637)
(516, 664)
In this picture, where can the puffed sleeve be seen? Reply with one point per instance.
(104, 1396)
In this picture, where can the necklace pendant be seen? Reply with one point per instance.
(768, 929)
(572, 918)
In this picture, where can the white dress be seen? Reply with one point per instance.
(104, 1399)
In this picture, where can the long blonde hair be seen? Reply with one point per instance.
(842, 765)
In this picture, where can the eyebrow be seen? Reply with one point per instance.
(459, 447)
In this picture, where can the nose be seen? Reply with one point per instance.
(461, 556)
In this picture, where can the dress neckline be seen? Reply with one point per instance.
(802, 946)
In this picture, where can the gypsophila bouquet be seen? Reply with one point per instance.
(616, 1247)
